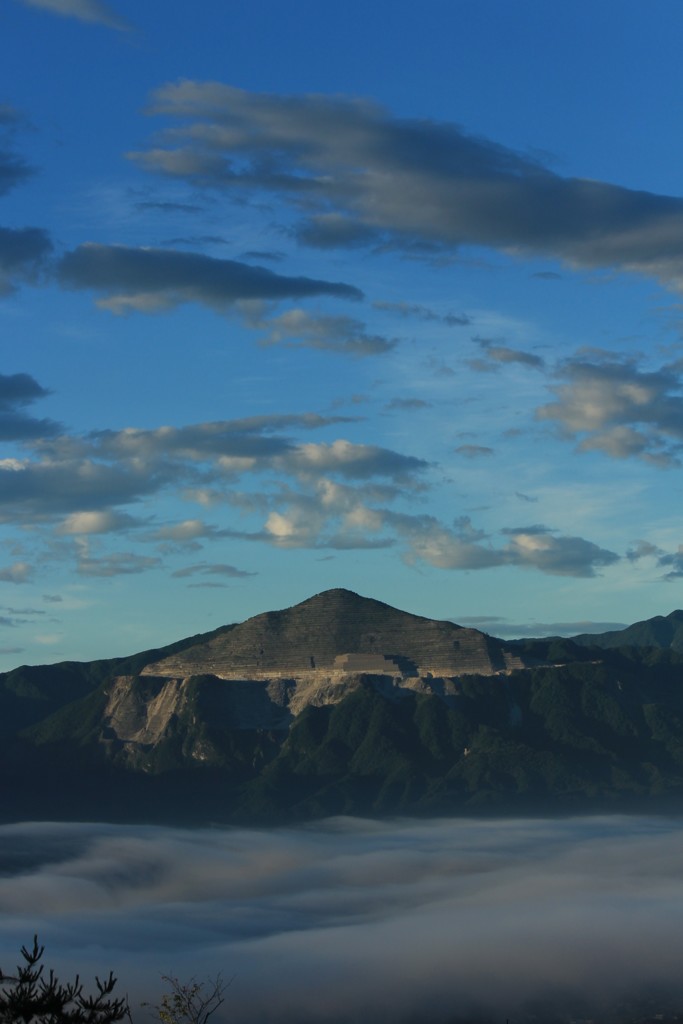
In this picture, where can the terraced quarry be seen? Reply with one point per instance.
(338, 633)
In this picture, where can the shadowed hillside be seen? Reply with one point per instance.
(344, 705)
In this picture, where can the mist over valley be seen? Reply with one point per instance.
(350, 920)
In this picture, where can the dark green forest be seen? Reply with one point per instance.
(580, 728)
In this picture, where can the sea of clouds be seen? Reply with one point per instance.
(351, 920)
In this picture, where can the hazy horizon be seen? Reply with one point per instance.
(352, 920)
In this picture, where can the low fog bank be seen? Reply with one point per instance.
(353, 920)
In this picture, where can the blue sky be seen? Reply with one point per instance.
(296, 295)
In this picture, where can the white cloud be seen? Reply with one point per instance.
(613, 406)
(101, 521)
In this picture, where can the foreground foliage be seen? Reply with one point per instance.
(191, 1002)
(30, 996)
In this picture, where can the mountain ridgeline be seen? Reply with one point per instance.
(345, 705)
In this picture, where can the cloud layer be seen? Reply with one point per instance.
(351, 920)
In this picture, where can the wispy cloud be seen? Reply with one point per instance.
(18, 390)
(496, 352)
(93, 11)
(18, 572)
(343, 334)
(473, 451)
(420, 312)
(149, 280)
(212, 569)
(381, 180)
(23, 256)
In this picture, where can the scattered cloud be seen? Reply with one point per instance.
(151, 280)
(19, 616)
(207, 585)
(9, 115)
(23, 252)
(121, 563)
(562, 556)
(334, 495)
(412, 309)
(342, 334)
(407, 404)
(35, 490)
(13, 171)
(611, 405)
(643, 549)
(85, 481)
(19, 572)
(18, 390)
(92, 11)
(187, 530)
(473, 451)
(673, 563)
(381, 180)
(354, 461)
(212, 569)
(98, 521)
(531, 547)
(497, 353)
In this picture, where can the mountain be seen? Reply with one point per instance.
(345, 705)
(660, 631)
(335, 625)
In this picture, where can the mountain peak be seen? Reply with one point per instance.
(338, 628)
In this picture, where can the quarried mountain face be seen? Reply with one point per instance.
(339, 633)
(262, 674)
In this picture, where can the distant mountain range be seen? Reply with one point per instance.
(345, 705)
(661, 631)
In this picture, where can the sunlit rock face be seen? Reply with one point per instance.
(338, 633)
(262, 674)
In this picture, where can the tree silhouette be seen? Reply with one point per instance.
(32, 997)
(191, 1002)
